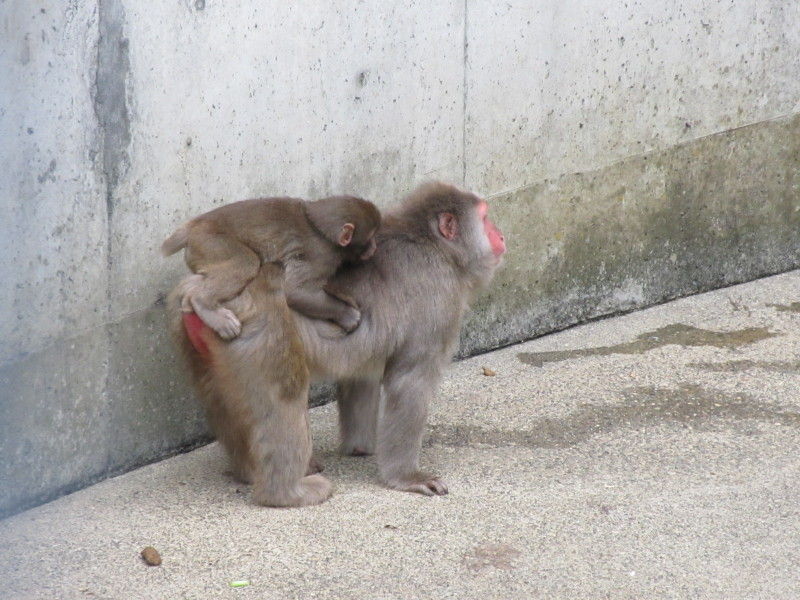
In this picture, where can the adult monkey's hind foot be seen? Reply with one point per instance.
(310, 490)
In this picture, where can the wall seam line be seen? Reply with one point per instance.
(465, 84)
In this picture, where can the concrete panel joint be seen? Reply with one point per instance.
(110, 95)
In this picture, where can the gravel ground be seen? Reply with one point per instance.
(652, 455)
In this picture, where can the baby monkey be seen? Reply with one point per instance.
(226, 247)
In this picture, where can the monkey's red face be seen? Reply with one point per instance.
(496, 240)
(478, 234)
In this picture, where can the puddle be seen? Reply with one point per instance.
(678, 333)
(794, 307)
(641, 407)
(737, 366)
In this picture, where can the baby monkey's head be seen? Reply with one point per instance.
(348, 222)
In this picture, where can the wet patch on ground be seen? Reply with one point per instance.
(689, 405)
(678, 333)
(794, 307)
(737, 366)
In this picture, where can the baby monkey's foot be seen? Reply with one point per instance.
(225, 323)
(221, 320)
(350, 319)
(189, 287)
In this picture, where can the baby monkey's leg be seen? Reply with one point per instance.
(225, 267)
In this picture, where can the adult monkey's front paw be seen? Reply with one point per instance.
(419, 483)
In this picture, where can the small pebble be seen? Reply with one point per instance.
(151, 556)
(488, 372)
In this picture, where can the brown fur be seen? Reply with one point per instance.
(265, 434)
(412, 295)
(226, 247)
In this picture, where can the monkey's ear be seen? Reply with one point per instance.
(346, 234)
(448, 225)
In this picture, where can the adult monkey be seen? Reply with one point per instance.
(435, 250)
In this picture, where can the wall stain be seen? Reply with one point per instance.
(111, 91)
(688, 405)
(737, 366)
(677, 333)
(689, 223)
(48, 173)
(794, 307)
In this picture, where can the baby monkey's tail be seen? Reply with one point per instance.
(176, 241)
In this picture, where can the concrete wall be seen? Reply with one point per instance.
(634, 151)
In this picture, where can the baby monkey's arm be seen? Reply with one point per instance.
(310, 295)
